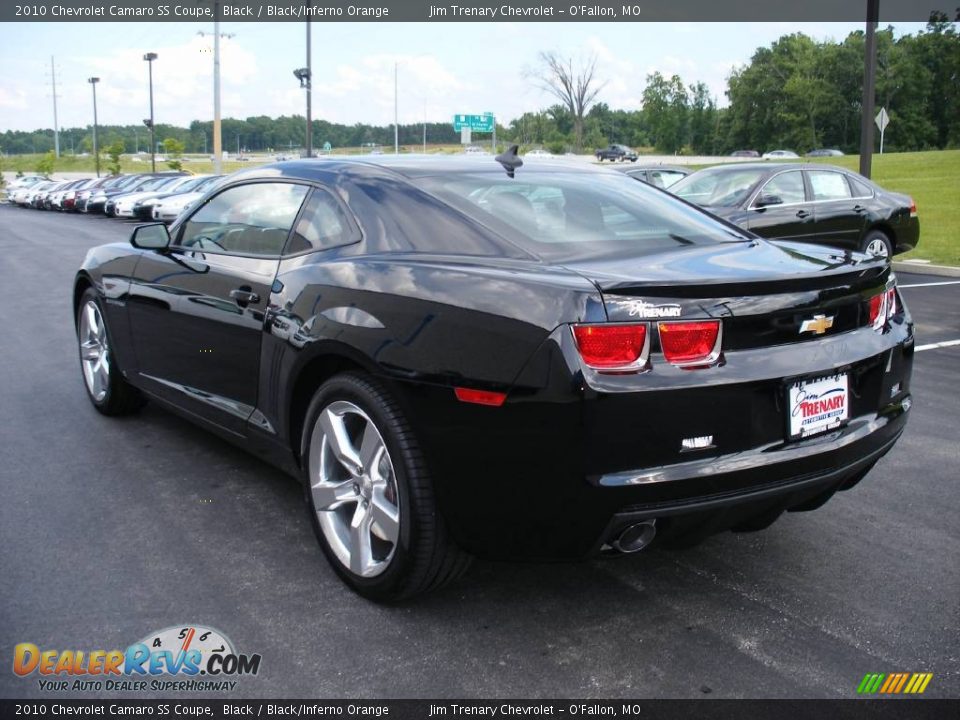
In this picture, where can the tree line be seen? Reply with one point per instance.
(797, 93)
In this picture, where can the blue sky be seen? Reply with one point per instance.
(444, 68)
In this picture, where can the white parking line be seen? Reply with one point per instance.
(934, 346)
(945, 282)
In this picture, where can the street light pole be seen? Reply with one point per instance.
(396, 126)
(150, 57)
(309, 96)
(96, 148)
(217, 142)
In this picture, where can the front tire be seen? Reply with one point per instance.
(370, 498)
(106, 387)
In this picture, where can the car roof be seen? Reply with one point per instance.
(773, 166)
(637, 167)
(410, 166)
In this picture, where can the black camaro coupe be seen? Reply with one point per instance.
(474, 356)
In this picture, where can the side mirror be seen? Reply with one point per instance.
(151, 237)
(766, 200)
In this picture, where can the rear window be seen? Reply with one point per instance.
(563, 215)
(718, 188)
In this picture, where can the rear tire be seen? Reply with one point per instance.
(103, 379)
(877, 243)
(370, 498)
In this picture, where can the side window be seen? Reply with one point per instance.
(828, 185)
(252, 219)
(787, 186)
(859, 188)
(666, 178)
(322, 225)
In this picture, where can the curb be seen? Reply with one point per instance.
(926, 269)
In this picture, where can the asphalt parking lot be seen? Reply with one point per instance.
(111, 529)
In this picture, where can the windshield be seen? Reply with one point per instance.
(570, 215)
(718, 188)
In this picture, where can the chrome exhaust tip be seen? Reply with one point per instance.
(636, 537)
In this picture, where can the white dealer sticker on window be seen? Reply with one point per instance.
(817, 405)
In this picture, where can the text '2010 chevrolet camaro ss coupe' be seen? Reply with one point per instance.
(474, 356)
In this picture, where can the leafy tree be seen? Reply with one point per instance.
(46, 164)
(114, 151)
(665, 105)
(174, 149)
(703, 120)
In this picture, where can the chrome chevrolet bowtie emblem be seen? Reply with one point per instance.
(818, 325)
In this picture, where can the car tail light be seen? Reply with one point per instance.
(480, 397)
(882, 308)
(913, 207)
(613, 347)
(690, 343)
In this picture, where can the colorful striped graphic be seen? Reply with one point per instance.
(894, 683)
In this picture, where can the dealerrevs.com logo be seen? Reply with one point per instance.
(179, 658)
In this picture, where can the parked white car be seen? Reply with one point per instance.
(779, 155)
(170, 208)
(125, 203)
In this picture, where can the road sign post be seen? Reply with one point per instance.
(882, 120)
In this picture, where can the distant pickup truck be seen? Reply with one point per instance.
(616, 152)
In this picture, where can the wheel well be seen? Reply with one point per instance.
(311, 377)
(81, 286)
(886, 230)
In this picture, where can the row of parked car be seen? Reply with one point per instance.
(160, 196)
(780, 201)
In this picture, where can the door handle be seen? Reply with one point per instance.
(244, 296)
(859, 208)
(802, 214)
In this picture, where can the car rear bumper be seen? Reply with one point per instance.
(557, 472)
(907, 235)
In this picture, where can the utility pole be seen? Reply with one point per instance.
(56, 125)
(869, 79)
(217, 134)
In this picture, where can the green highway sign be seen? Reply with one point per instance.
(476, 123)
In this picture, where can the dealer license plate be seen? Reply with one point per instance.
(816, 406)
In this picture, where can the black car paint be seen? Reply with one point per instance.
(565, 462)
(841, 223)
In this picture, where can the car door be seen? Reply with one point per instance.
(197, 309)
(790, 219)
(840, 217)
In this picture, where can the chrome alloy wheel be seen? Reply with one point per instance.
(94, 351)
(354, 489)
(878, 248)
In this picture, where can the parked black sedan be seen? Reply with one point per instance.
(661, 176)
(461, 358)
(809, 203)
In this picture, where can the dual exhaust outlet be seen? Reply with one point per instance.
(635, 537)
